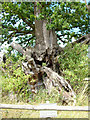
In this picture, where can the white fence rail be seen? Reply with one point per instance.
(45, 107)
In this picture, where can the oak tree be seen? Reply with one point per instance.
(39, 28)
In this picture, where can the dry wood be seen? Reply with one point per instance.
(57, 80)
(53, 79)
(17, 47)
(45, 107)
(83, 40)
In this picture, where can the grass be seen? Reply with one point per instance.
(42, 97)
(35, 114)
(10, 113)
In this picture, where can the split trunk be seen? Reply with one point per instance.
(42, 60)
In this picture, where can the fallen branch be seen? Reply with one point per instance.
(57, 78)
(53, 79)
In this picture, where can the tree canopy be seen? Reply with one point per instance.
(18, 20)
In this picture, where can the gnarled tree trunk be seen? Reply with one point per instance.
(45, 51)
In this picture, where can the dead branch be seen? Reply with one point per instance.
(58, 80)
(83, 40)
(17, 47)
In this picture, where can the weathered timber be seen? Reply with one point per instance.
(33, 67)
(57, 79)
(43, 107)
(53, 79)
(83, 40)
(17, 47)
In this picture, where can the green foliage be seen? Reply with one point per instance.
(14, 79)
(18, 20)
(74, 63)
(64, 17)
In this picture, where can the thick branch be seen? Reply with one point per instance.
(28, 23)
(11, 28)
(17, 47)
(27, 40)
(20, 33)
(84, 40)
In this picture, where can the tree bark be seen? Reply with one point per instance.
(34, 67)
(45, 51)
